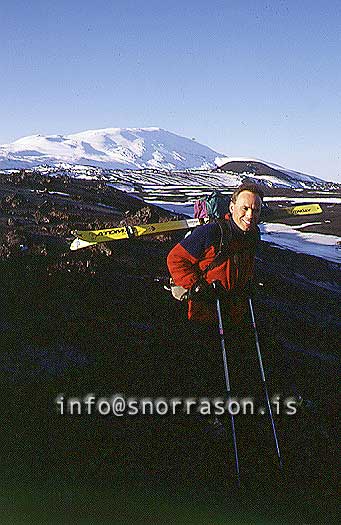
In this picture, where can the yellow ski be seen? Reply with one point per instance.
(127, 232)
(86, 238)
(304, 209)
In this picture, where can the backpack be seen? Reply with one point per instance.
(213, 206)
(217, 205)
(200, 210)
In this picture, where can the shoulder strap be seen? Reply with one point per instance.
(222, 249)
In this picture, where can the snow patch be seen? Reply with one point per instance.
(287, 237)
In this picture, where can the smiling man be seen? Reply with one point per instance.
(245, 208)
(221, 251)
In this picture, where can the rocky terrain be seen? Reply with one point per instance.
(98, 320)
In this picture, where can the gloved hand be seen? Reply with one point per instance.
(202, 291)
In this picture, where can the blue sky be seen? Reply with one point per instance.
(247, 78)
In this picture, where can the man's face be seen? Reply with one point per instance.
(246, 210)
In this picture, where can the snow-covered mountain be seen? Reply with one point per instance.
(111, 148)
(141, 148)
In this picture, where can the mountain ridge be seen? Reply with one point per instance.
(139, 148)
(111, 148)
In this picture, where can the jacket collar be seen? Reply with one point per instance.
(238, 233)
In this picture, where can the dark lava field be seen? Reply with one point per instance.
(99, 321)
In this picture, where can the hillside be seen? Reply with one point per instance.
(99, 320)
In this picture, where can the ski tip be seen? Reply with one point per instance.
(77, 244)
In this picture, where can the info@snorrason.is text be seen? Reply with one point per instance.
(120, 405)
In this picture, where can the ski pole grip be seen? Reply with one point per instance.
(215, 286)
(250, 288)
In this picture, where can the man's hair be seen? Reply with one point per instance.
(253, 188)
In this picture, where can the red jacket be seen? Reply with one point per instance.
(192, 255)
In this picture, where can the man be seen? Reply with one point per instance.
(191, 265)
(197, 261)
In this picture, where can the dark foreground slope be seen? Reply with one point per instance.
(95, 321)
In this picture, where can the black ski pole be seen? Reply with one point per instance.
(260, 360)
(227, 377)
